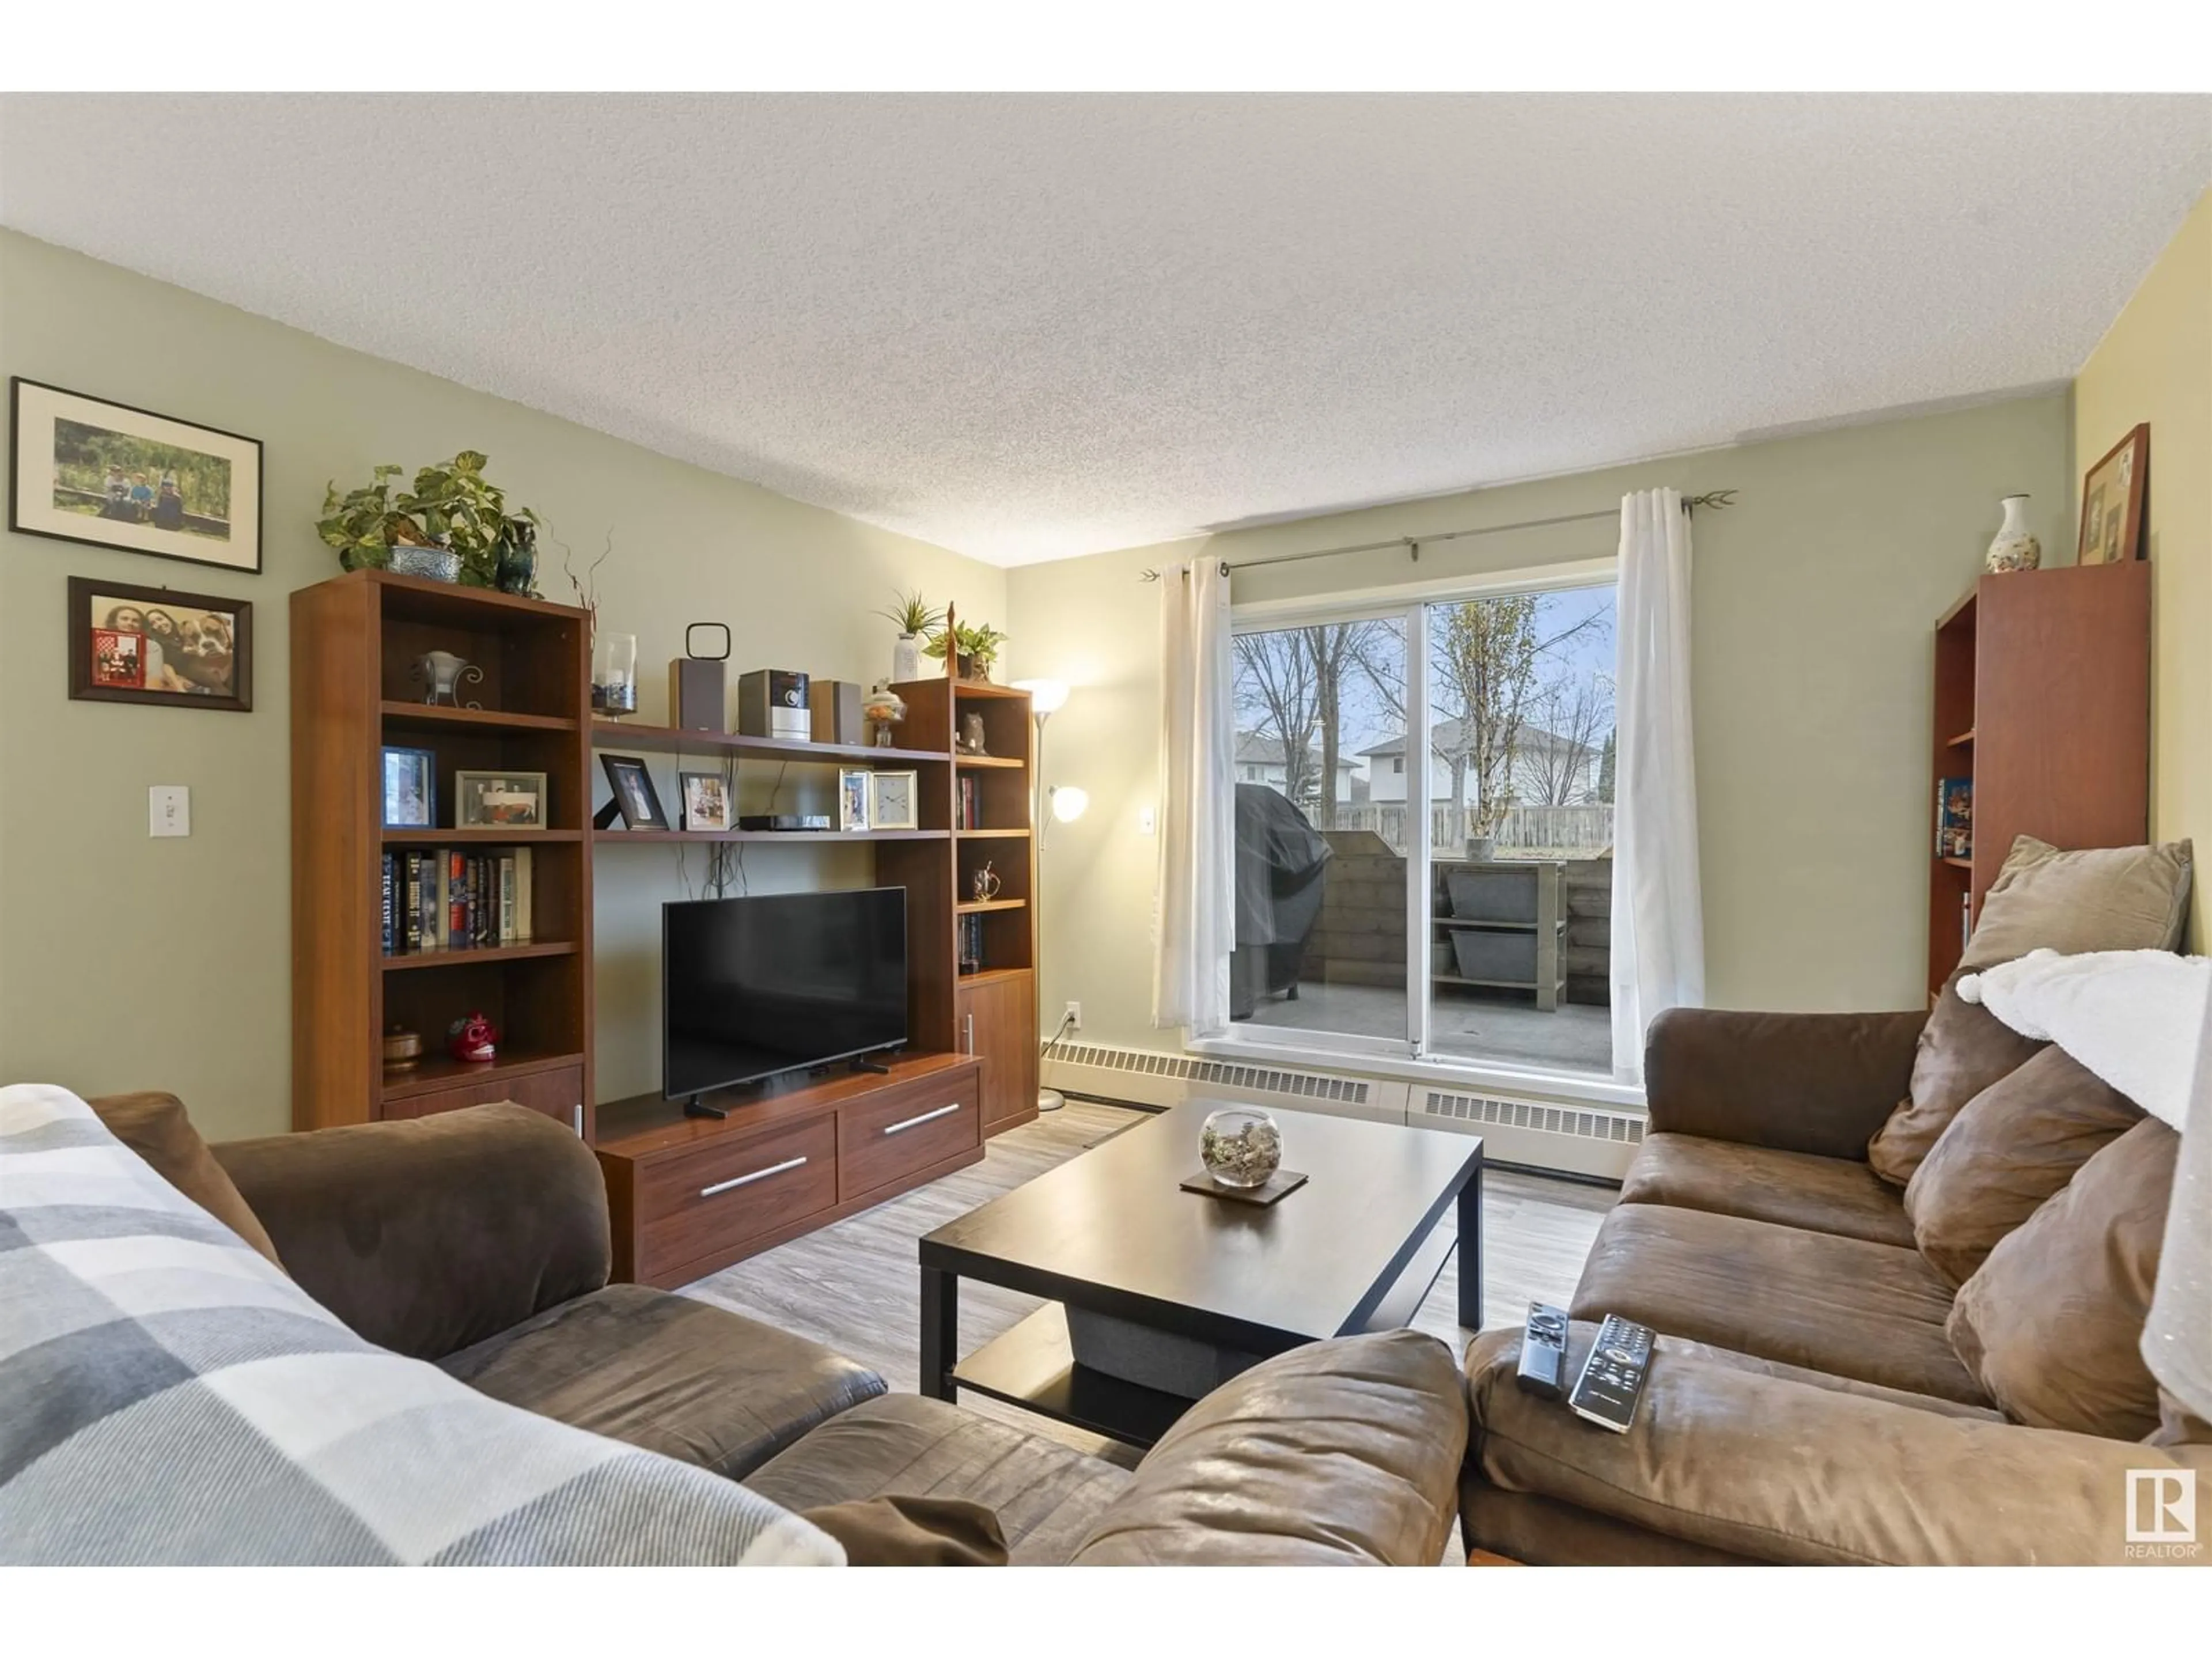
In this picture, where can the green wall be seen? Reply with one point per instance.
(1813, 601)
(129, 963)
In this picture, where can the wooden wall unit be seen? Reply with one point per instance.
(2042, 696)
(354, 640)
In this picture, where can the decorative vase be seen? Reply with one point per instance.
(1241, 1145)
(906, 658)
(438, 564)
(440, 673)
(614, 675)
(518, 558)
(2015, 546)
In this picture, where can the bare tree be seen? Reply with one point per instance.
(1276, 689)
(1575, 712)
(1485, 656)
(1338, 650)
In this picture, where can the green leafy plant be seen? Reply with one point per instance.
(978, 643)
(913, 615)
(452, 505)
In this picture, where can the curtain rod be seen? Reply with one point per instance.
(1715, 499)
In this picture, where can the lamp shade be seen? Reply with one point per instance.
(1069, 803)
(1046, 696)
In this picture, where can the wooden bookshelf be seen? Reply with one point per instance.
(354, 641)
(2042, 698)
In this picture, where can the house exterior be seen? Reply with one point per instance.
(1538, 754)
(1260, 760)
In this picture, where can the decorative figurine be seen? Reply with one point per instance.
(986, 884)
(517, 572)
(971, 735)
(474, 1038)
(440, 673)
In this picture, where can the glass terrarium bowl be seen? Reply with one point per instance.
(1242, 1145)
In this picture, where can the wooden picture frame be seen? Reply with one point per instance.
(634, 797)
(2113, 495)
(105, 474)
(154, 645)
(705, 797)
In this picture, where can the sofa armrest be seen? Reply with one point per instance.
(1799, 1083)
(425, 1236)
(1341, 1453)
(1774, 1469)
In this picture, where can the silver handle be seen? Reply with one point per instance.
(893, 1128)
(579, 1111)
(748, 1179)
(968, 1033)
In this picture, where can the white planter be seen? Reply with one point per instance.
(2015, 546)
(906, 658)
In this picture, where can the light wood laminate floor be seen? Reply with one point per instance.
(855, 1287)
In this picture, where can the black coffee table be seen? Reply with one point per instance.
(1112, 1235)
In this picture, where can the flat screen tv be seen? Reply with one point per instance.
(754, 987)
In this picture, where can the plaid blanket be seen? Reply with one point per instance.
(167, 1396)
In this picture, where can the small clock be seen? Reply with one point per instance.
(891, 800)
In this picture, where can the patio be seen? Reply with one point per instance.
(1575, 1037)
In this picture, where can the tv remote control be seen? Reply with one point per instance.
(1544, 1352)
(1613, 1376)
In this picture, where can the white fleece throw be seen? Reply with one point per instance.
(2132, 1018)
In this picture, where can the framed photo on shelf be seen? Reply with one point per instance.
(154, 645)
(499, 800)
(634, 798)
(2112, 502)
(411, 788)
(706, 797)
(853, 789)
(891, 800)
(107, 474)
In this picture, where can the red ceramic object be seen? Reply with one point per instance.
(473, 1038)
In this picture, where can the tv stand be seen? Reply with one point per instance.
(871, 1067)
(694, 1185)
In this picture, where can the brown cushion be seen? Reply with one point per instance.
(1044, 1494)
(2104, 898)
(913, 1532)
(1963, 1049)
(154, 1125)
(2010, 1148)
(669, 1373)
(2052, 1322)
(1796, 1189)
(1871, 1312)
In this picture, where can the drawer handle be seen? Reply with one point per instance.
(909, 1123)
(748, 1179)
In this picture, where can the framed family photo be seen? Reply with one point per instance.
(706, 800)
(111, 475)
(131, 644)
(634, 798)
(2112, 502)
(499, 800)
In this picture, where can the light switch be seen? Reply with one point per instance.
(169, 810)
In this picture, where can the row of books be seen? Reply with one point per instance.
(971, 805)
(447, 899)
(971, 943)
(1954, 817)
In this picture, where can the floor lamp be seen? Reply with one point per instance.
(1065, 805)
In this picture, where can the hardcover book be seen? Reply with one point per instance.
(1954, 818)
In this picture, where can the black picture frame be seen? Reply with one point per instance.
(96, 675)
(634, 798)
(32, 422)
(427, 760)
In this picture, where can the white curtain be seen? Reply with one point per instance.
(1658, 926)
(1195, 922)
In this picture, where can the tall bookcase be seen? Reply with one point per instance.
(2043, 699)
(355, 643)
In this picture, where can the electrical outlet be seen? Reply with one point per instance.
(1074, 1018)
(1147, 821)
(168, 810)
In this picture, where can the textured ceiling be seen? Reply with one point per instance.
(1030, 327)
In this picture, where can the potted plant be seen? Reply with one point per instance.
(913, 617)
(975, 646)
(452, 526)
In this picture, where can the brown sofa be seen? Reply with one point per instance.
(478, 1240)
(1805, 1403)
